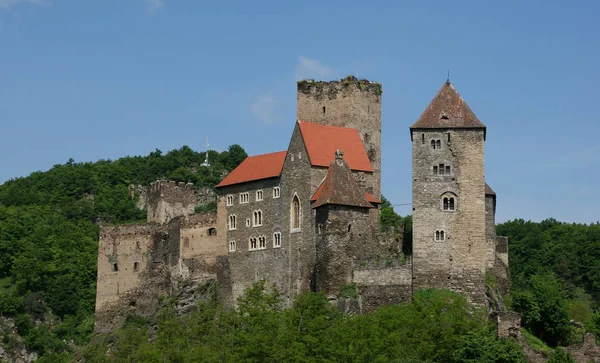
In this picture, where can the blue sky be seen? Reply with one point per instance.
(95, 79)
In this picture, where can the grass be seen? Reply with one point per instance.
(536, 343)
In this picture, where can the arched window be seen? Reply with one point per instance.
(433, 144)
(277, 239)
(232, 221)
(438, 144)
(262, 242)
(257, 218)
(295, 213)
(232, 246)
(253, 244)
(451, 204)
(445, 203)
(440, 236)
(448, 202)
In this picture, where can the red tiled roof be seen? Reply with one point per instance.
(447, 110)
(256, 168)
(368, 196)
(322, 141)
(340, 187)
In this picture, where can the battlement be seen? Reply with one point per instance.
(170, 189)
(331, 89)
(127, 230)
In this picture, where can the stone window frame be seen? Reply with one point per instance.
(232, 246)
(259, 195)
(257, 218)
(252, 244)
(244, 198)
(229, 200)
(442, 168)
(276, 239)
(440, 235)
(232, 222)
(262, 242)
(248, 223)
(276, 192)
(448, 202)
(436, 144)
(295, 221)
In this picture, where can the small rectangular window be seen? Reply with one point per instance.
(115, 267)
(435, 170)
(441, 169)
(447, 169)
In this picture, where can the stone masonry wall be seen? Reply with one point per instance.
(383, 286)
(348, 103)
(344, 234)
(458, 262)
(490, 229)
(168, 200)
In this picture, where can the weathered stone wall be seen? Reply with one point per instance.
(347, 103)
(140, 194)
(344, 234)
(508, 324)
(168, 200)
(490, 229)
(586, 352)
(385, 285)
(120, 248)
(457, 263)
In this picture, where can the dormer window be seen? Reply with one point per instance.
(444, 116)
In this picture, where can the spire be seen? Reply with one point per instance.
(340, 187)
(206, 163)
(447, 110)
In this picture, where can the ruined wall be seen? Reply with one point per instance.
(200, 244)
(586, 352)
(508, 324)
(459, 261)
(348, 103)
(490, 229)
(383, 285)
(168, 200)
(120, 249)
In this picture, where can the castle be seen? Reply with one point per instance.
(308, 218)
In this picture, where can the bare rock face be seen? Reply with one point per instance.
(16, 352)
(205, 196)
(140, 194)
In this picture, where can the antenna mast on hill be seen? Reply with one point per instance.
(206, 163)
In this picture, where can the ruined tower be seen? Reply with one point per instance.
(449, 215)
(168, 199)
(349, 102)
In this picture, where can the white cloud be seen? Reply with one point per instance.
(264, 109)
(311, 68)
(152, 6)
(8, 4)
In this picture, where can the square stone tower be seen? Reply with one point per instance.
(449, 216)
(349, 102)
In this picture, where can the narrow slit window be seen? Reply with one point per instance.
(295, 213)
(423, 138)
(115, 267)
(448, 137)
(136, 266)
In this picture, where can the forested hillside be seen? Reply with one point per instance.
(49, 225)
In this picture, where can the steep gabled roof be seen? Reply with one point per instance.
(489, 191)
(447, 110)
(340, 187)
(322, 141)
(256, 168)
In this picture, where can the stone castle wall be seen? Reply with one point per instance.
(459, 262)
(169, 199)
(490, 229)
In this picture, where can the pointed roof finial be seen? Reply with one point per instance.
(448, 79)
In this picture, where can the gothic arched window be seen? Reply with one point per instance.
(295, 213)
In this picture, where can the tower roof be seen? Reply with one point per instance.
(489, 190)
(340, 187)
(447, 110)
